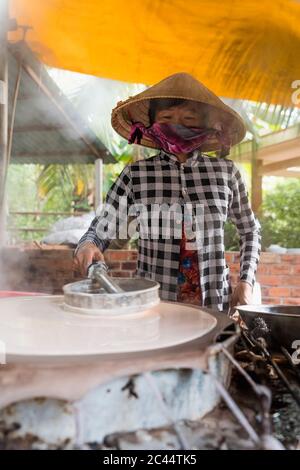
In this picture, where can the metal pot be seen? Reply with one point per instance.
(279, 324)
(137, 294)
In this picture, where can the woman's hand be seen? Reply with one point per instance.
(242, 294)
(85, 255)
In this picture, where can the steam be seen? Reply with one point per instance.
(94, 99)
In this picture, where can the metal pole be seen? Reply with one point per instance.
(236, 411)
(3, 107)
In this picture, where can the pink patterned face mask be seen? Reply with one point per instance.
(175, 138)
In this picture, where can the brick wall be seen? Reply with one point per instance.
(47, 269)
(278, 275)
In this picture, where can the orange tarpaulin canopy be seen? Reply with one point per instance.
(241, 49)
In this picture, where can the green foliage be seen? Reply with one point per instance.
(279, 219)
(280, 215)
(231, 238)
(56, 188)
(21, 195)
(66, 187)
(21, 188)
(123, 153)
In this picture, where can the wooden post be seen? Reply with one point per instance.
(256, 184)
(3, 107)
(98, 182)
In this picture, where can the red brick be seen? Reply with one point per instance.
(269, 258)
(121, 255)
(263, 268)
(291, 281)
(234, 268)
(295, 292)
(236, 257)
(295, 269)
(229, 257)
(116, 255)
(293, 259)
(292, 300)
(132, 255)
(49, 268)
(121, 274)
(266, 280)
(271, 300)
(129, 266)
(113, 265)
(280, 269)
(279, 292)
(264, 291)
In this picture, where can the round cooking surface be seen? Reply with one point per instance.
(40, 327)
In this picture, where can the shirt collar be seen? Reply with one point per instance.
(195, 157)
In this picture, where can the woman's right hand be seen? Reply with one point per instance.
(85, 255)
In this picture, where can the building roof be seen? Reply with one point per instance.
(47, 127)
(242, 50)
(278, 152)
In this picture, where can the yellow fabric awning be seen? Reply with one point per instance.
(240, 49)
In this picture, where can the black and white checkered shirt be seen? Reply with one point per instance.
(215, 186)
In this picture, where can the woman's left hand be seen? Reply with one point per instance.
(242, 294)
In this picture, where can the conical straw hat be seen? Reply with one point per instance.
(180, 85)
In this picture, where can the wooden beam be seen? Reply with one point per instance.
(281, 165)
(288, 174)
(277, 153)
(68, 119)
(26, 229)
(51, 154)
(40, 213)
(63, 158)
(256, 186)
(39, 128)
(281, 145)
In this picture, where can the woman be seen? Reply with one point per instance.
(182, 118)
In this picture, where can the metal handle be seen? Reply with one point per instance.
(98, 272)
